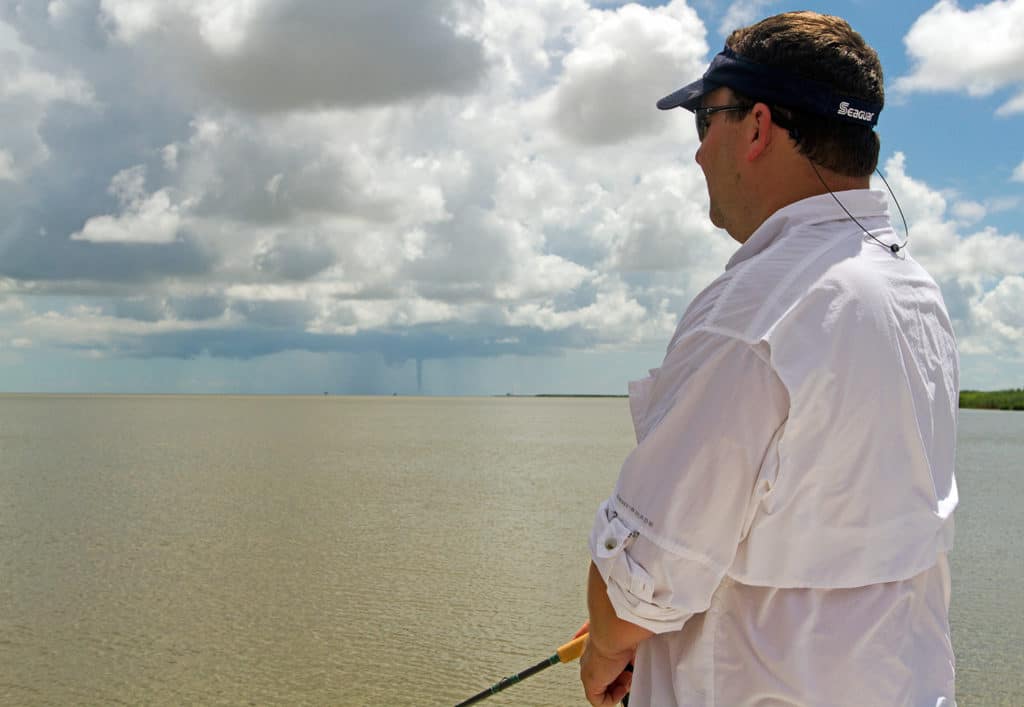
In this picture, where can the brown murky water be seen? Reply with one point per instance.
(362, 551)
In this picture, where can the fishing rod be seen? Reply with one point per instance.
(567, 653)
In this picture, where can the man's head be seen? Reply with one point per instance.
(822, 82)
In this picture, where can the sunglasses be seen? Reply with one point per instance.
(702, 116)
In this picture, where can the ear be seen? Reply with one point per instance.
(759, 136)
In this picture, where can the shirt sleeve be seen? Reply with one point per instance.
(666, 537)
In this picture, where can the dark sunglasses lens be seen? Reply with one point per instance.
(702, 124)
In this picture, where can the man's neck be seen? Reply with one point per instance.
(803, 180)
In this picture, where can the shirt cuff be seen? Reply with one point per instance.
(631, 589)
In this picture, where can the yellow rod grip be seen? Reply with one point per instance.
(573, 649)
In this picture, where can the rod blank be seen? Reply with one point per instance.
(569, 652)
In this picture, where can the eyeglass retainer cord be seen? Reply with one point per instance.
(894, 247)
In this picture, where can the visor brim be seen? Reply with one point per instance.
(688, 96)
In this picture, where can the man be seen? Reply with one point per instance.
(779, 534)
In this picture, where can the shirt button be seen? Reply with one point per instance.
(610, 544)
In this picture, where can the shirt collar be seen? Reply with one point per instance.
(862, 203)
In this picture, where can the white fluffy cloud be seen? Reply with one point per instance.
(1002, 318)
(977, 51)
(941, 235)
(147, 218)
(978, 269)
(622, 62)
(280, 55)
(318, 193)
(503, 184)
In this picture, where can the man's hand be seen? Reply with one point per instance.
(605, 678)
(610, 648)
(585, 628)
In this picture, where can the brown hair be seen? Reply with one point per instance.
(826, 49)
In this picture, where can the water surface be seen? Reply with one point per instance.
(362, 551)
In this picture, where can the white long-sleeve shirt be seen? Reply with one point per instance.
(783, 522)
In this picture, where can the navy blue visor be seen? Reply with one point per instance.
(773, 86)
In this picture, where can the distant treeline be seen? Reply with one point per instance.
(993, 399)
(979, 399)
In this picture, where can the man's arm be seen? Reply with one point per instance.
(610, 647)
(670, 531)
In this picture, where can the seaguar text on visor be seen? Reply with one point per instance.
(845, 109)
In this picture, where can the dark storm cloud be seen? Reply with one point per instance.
(124, 123)
(415, 343)
(295, 259)
(306, 54)
(396, 207)
(143, 309)
(465, 258)
(272, 183)
(276, 314)
(80, 29)
(54, 257)
(198, 308)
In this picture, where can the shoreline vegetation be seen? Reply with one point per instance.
(1012, 399)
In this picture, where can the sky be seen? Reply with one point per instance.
(441, 197)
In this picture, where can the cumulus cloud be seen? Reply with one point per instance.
(978, 269)
(292, 54)
(942, 241)
(662, 225)
(977, 51)
(460, 178)
(24, 78)
(620, 61)
(1000, 311)
(969, 211)
(27, 91)
(293, 258)
(147, 218)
